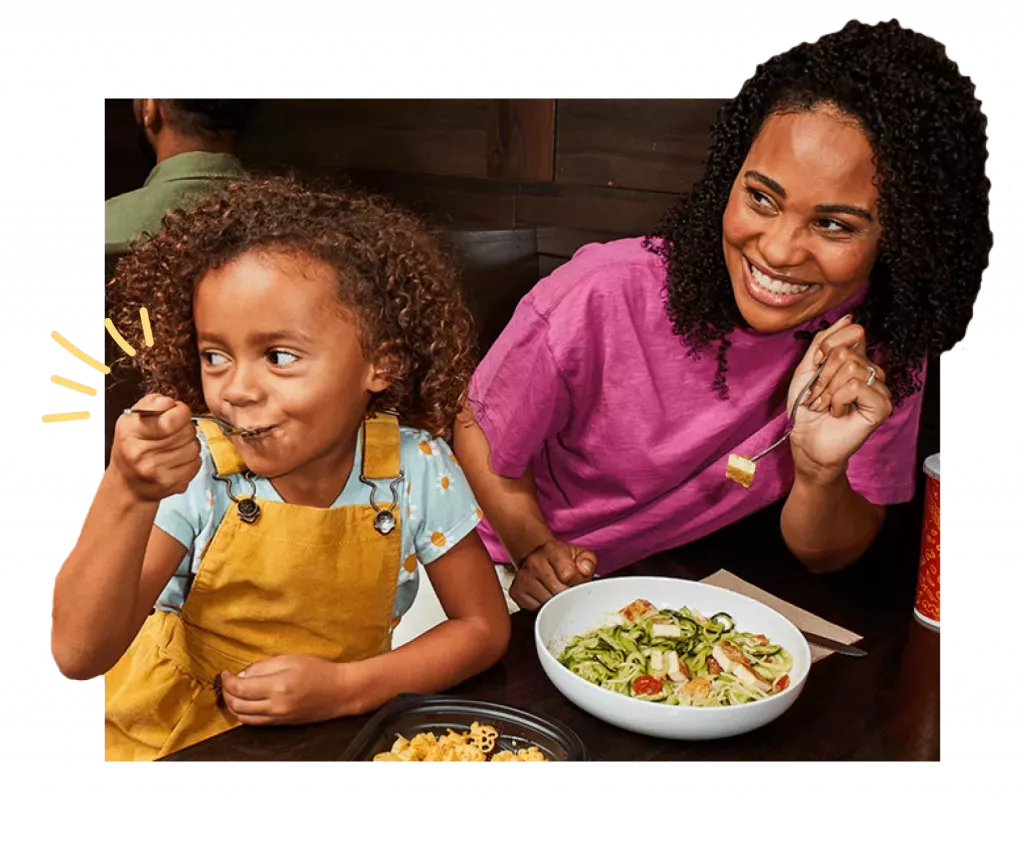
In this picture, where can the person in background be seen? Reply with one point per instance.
(194, 143)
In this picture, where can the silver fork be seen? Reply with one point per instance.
(229, 429)
(792, 415)
(742, 469)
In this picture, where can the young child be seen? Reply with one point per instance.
(256, 579)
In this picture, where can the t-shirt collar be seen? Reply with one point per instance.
(196, 165)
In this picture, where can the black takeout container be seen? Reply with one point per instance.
(409, 715)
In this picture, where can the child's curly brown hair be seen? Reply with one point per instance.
(391, 273)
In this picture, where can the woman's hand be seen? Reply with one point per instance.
(551, 568)
(842, 409)
(292, 688)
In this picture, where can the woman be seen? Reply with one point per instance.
(844, 203)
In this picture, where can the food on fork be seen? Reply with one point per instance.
(741, 470)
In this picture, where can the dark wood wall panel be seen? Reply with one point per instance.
(597, 169)
(445, 201)
(651, 144)
(565, 241)
(433, 136)
(521, 139)
(610, 210)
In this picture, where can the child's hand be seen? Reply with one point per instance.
(293, 688)
(156, 457)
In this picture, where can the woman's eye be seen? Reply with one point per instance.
(760, 199)
(281, 357)
(214, 359)
(835, 227)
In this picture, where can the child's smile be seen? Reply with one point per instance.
(279, 350)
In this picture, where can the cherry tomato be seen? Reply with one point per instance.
(646, 685)
(781, 683)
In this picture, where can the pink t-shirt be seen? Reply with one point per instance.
(628, 443)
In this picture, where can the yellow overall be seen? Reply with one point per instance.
(298, 580)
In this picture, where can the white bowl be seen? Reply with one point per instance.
(585, 607)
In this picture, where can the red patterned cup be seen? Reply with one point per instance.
(926, 606)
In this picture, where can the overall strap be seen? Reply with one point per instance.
(381, 447)
(226, 459)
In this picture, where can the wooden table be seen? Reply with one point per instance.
(881, 707)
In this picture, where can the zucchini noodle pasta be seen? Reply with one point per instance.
(679, 658)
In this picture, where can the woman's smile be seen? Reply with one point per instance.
(774, 291)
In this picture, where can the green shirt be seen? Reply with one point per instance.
(169, 185)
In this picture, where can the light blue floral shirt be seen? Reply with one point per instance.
(438, 510)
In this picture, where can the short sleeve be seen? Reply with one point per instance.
(884, 469)
(518, 393)
(441, 509)
(185, 516)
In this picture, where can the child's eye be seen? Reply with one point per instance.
(281, 357)
(214, 359)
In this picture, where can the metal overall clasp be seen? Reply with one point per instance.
(384, 521)
(246, 507)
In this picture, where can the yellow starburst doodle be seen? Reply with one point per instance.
(127, 348)
(65, 416)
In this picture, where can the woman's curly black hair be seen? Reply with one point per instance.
(391, 273)
(927, 132)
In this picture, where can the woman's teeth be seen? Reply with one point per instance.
(774, 286)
